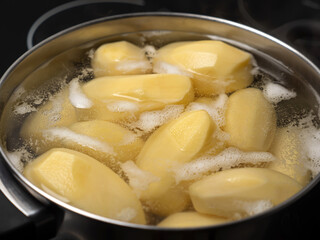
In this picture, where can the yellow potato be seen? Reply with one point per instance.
(175, 143)
(119, 58)
(286, 148)
(191, 219)
(85, 183)
(57, 112)
(241, 191)
(214, 66)
(122, 97)
(250, 120)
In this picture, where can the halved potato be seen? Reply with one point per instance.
(124, 97)
(85, 183)
(120, 58)
(241, 191)
(250, 120)
(57, 112)
(174, 143)
(286, 146)
(214, 66)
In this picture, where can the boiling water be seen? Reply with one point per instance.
(295, 103)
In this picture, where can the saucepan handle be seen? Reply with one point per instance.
(44, 219)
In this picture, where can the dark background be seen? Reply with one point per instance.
(296, 22)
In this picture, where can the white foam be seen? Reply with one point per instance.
(139, 179)
(122, 106)
(216, 108)
(252, 207)
(17, 94)
(83, 140)
(310, 141)
(128, 139)
(276, 93)
(24, 108)
(126, 214)
(128, 66)
(150, 52)
(28, 105)
(17, 156)
(76, 96)
(54, 113)
(163, 67)
(148, 121)
(228, 158)
(91, 53)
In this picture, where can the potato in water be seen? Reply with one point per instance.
(214, 66)
(176, 142)
(230, 193)
(57, 112)
(250, 120)
(120, 58)
(224, 127)
(125, 97)
(85, 183)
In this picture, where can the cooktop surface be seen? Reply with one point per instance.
(25, 23)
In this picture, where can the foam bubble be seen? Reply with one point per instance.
(127, 66)
(126, 214)
(17, 93)
(150, 52)
(122, 106)
(90, 53)
(163, 67)
(310, 140)
(276, 93)
(251, 207)
(83, 140)
(215, 108)
(139, 179)
(128, 139)
(228, 158)
(28, 105)
(77, 98)
(148, 121)
(17, 157)
(54, 113)
(24, 108)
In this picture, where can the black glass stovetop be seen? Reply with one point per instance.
(25, 23)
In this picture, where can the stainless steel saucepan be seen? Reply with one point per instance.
(57, 55)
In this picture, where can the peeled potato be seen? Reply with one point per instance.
(231, 192)
(286, 148)
(123, 97)
(119, 58)
(175, 143)
(85, 183)
(214, 66)
(57, 112)
(250, 120)
(191, 219)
